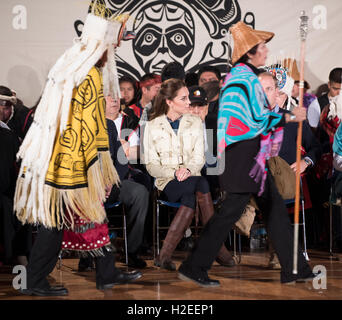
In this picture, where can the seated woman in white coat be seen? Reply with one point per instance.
(174, 156)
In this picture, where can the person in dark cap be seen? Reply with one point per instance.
(199, 105)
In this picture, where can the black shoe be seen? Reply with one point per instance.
(135, 262)
(121, 278)
(307, 278)
(299, 278)
(201, 278)
(49, 292)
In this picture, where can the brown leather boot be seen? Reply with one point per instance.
(207, 210)
(179, 224)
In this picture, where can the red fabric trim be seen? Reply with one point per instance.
(136, 110)
(91, 239)
(307, 199)
(236, 127)
(26, 119)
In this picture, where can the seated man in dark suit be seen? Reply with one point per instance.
(133, 190)
(133, 195)
(289, 144)
(288, 148)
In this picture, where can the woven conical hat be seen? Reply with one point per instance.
(245, 38)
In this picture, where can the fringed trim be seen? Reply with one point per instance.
(59, 206)
(87, 226)
(83, 228)
(94, 253)
(109, 172)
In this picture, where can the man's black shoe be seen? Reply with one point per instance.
(49, 292)
(299, 278)
(201, 279)
(121, 278)
(135, 262)
(307, 278)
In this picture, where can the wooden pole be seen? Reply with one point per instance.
(299, 143)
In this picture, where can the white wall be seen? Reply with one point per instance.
(28, 54)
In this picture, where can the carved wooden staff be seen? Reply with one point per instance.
(303, 33)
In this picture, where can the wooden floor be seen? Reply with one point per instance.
(250, 280)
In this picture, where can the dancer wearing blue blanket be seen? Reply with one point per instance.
(248, 134)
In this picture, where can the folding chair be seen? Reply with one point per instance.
(124, 228)
(331, 205)
(237, 257)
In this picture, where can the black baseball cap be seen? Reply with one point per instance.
(198, 95)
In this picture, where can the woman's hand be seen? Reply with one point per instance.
(182, 174)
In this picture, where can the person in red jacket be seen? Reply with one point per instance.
(149, 85)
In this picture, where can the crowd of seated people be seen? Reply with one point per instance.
(170, 104)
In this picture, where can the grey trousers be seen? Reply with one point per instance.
(135, 197)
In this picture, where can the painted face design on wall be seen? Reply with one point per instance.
(164, 33)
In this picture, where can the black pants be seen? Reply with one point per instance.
(278, 223)
(185, 191)
(135, 197)
(15, 237)
(44, 256)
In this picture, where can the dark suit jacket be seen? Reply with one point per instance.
(323, 101)
(211, 123)
(289, 145)
(116, 151)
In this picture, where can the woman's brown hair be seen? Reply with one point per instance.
(168, 91)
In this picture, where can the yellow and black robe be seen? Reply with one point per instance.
(80, 167)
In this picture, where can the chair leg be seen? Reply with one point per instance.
(59, 265)
(234, 242)
(154, 209)
(330, 230)
(304, 232)
(125, 236)
(240, 254)
(158, 245)
(238, 257)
